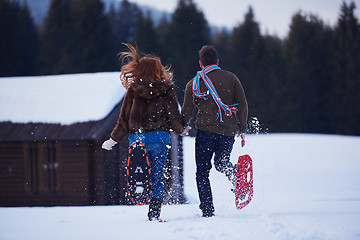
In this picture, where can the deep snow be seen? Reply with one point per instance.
(306, 187)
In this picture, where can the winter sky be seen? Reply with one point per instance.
(274, 16)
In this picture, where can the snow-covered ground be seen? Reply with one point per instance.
(305, 187)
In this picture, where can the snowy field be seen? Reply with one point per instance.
(305, 187)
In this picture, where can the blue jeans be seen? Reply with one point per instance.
(155, 143)
(206, 145)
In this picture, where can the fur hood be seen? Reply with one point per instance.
(148, 106)
(149, 89)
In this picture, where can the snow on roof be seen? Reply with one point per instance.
(64, 99)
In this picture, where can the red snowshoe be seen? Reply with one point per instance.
(244, 190)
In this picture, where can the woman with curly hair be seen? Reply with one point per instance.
(149, 111)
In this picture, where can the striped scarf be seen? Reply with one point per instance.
(228, 109)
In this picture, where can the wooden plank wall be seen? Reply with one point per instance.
(81, 174)
(11, 173)
(74, 173)
(72, 176)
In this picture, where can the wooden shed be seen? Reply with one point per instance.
(52, 163)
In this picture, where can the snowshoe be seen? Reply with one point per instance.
(244, 189)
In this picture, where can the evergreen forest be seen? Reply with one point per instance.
(307, 82)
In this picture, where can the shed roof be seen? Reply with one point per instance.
(62, 99)
(61, 107)
(91, 130)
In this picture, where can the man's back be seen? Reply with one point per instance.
(230, 91)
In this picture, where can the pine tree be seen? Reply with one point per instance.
(57, 39)
(164, 36)
(220, 40)
(307, 53)
(19, 40)
(93, 39)
(346, 97)
(245, 56)
(124, 21)
(273, 92)
(145, 36)
(189, 31)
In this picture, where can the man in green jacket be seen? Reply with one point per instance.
(222, 114)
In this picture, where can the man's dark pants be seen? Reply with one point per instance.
(206, 145)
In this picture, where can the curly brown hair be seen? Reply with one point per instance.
(147, 68)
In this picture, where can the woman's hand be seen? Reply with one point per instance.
(186, 131)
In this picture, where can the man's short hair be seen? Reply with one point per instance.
(208, 55)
